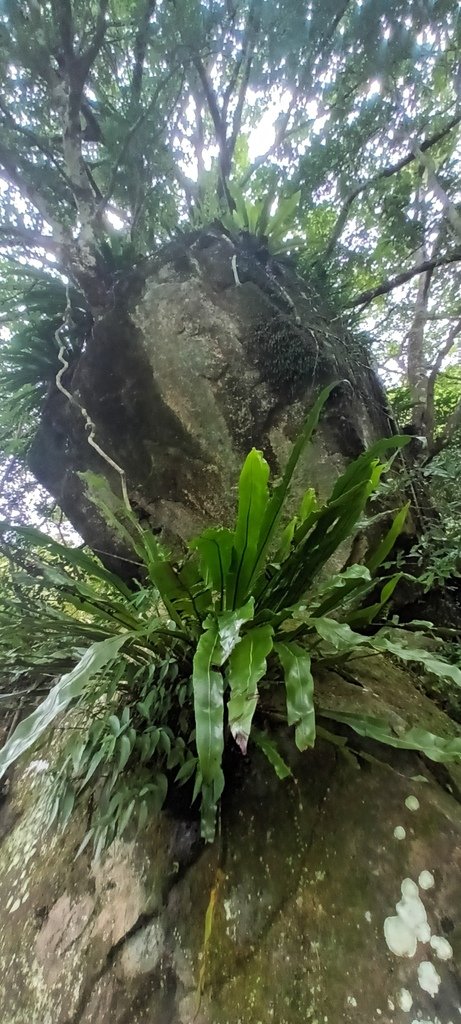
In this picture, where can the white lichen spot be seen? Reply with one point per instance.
(368, 916)
(391, 1005)
(426, 880)
(400, 939)
(441, 947)
(409, 888)
(428, 978)
(403, 931)
(351, 1001)
(399, 832)
(412, 911)
(412, 803)
(405, 1000)
(15, 907)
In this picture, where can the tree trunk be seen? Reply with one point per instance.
(186, 371)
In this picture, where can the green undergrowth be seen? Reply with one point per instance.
(156, 679)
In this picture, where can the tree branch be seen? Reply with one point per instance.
(87, 58)
(243, 66)
(452, 425)
(414, 338)
(63, 16)
(432, 380)
(15, 234)
(393, 282)
(134, 127)
(452, 215)
(16, 177)
(140, 50)
(212, 103)
(280, 135)
(387, 172)
(35, 140)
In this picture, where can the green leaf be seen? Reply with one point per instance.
(286, 541)
(253, 499)
(247, 665)
(166, 579)
(114, 724)
(125, 817)
(387, 543)
(275, 506)
(363, 616)
(269, 749)
(253, 214)
(266, 206)
(299, 684)
(70, 687)
(214, 546)
(73, 556)
(334, 591)
(66, 806)
(442, 669)
(208, 689)
(211, 794)
(124, 751)
(359, 469)
(436, 748)
(283, 217)
(186, 771)
(229, 625)
(75, 750)
(240, 214)
(338, 634)
(96, 759)
(335, 524)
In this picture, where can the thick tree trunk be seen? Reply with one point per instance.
(299, 891)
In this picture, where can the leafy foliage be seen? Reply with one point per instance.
(177, 668)
(33, 308)
(174, 104)
(257, 219)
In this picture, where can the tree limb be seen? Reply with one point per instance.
(35, 140)
(386, 172)
(16, 234)
(140, 50)
(452, 425)
(62, 15)
(134, 127)
(414, 339)
(244, 67)
(393, 282)
(16, 177)
(212, 103)
(452, 215)
(432, 380)
(87, 58)
(280, 135)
